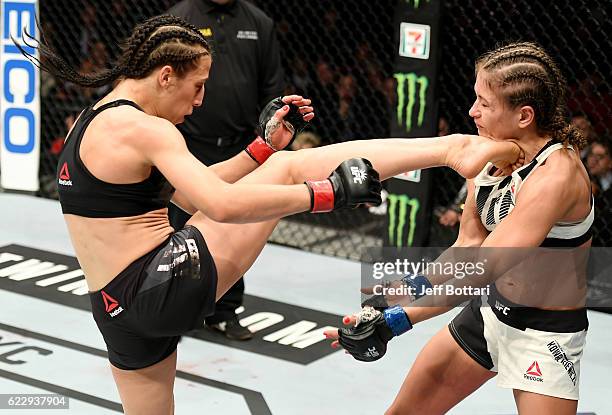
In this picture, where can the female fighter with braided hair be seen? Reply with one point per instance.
(535, 350)
(149, 283)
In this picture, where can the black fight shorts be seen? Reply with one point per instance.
(164, 294)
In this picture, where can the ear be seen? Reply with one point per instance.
(165, 75)
(526, 116)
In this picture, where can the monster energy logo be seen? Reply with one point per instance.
(398, 213)
(406, 100)
(416, 3)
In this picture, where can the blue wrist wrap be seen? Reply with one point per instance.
(397, 320)
(418, 283)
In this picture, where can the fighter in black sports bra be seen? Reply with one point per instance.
(83, 194)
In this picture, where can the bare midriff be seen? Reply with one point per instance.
(549, 281)
(106, 246)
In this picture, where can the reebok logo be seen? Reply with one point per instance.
(111, 304)
(359, 175)
(64, 176)
(534, 373)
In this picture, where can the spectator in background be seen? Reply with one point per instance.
(89, 33)
(246, 73)
(443, 126)
(582, 121)
(300, 79)
(306, 139)
(348, 121)
(325, 98)
(599, 166)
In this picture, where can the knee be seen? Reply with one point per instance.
(284, 162)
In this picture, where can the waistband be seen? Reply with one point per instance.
(522, 317)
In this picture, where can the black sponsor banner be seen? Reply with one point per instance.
(416, 115)
(281, 330)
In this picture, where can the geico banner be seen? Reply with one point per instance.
(20, 100)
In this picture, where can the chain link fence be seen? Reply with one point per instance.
(341, 53)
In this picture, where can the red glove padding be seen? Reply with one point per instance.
(259, 150)
(353, 183)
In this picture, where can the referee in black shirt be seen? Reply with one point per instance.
(246, 73)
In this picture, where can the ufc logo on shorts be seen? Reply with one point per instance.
(500, 307)
(358, 175)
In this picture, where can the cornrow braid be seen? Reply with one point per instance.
(157, 41)
(526, 75)
(172, 57)
(538, 55)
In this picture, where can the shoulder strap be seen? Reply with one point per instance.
(117, 103)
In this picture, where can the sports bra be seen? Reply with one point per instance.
(496, 197)
(83, 194)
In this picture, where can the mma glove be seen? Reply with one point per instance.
(261, 148)
(367, 340)
(353, 183)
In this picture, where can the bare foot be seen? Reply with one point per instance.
(468, 154)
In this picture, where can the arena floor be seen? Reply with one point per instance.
(50, 344)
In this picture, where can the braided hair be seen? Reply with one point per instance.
(160, 40)
(526, 75)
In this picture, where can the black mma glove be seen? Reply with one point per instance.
(294, 121)
(353, 183)
(377, 301)
(367, 340)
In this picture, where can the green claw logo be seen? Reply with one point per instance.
(398, 213)
(407, 98)
(416, 3)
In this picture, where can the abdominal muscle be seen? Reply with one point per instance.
(553, 279)
(106, 246)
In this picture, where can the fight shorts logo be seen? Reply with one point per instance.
(372, 352)
(64, 176)
(534, 373)
(359, 175)
(111, 305)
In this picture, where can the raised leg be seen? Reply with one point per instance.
(236, 246)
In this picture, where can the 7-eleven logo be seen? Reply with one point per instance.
(64, 175)
(534, 373)
(111, 304)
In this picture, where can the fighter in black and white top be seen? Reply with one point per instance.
(531, 346)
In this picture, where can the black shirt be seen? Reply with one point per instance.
(246, 71)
